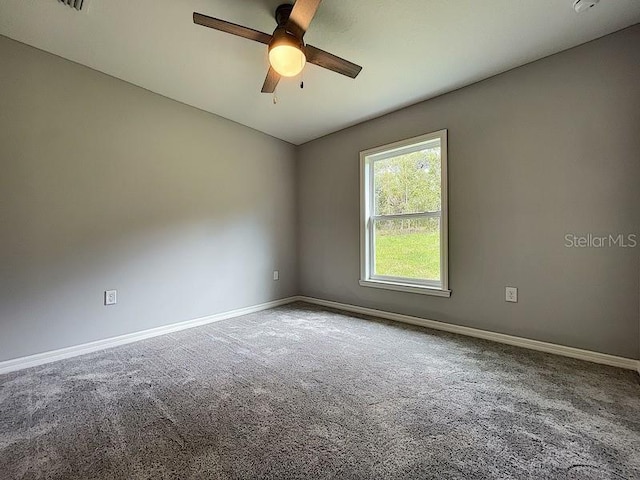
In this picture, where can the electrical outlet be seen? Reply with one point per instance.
(110, 297)
(276, 275)
(511, 294)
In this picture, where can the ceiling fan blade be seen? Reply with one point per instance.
(331, 62)
(231, 28)
(301, 16)
(271, 82)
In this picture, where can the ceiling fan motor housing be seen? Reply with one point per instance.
(283, 12)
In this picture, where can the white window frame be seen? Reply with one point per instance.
(367, 238)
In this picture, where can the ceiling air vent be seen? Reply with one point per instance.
(77, 4)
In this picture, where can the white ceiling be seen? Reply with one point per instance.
(411, 50)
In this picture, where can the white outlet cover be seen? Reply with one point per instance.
(511, 294)
(276, 275)
(110, 297)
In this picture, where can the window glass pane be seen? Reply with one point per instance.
(408, 183)
(408, 248)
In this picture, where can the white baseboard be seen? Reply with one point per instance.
(68, 352)
(595, 357)
(54, 355)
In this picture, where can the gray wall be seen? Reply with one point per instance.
(543, 150)
(106, 185)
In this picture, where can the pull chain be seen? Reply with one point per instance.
(301, 73)
(275, 98)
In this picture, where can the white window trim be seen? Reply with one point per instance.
(366, 187)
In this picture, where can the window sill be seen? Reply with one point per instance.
(403, 287)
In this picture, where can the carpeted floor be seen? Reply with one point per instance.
(304, 392)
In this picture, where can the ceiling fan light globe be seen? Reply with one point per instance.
(287, 60)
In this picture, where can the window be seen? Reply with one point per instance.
(404, 215)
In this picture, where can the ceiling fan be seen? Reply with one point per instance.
(287, 50)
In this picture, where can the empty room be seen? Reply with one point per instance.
(354, 239)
